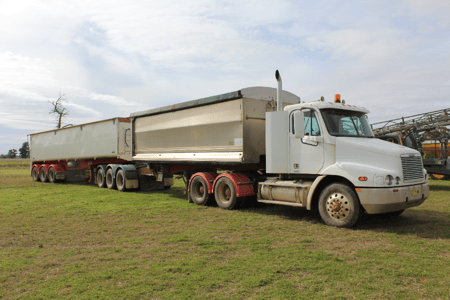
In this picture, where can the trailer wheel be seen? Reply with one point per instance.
(43, 175)
(110, 180)
(225, 194)
(198, 190)
(35, 174)
(120, 181)
(101, 180)
(51, 175)
(339, 206)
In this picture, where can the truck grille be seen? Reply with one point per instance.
(412, 168)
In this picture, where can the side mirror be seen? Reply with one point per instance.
(299, 124)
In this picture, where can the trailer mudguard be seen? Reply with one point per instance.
(209, 178)
(242, 184)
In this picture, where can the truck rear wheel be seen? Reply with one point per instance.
(120, 181)
(198, 190)
(225, 194)
(43, 175)
(101, 179)
(339, 206)
(35, 174)
(51, 175)
(110, 180)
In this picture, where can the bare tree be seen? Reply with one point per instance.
(59, 109)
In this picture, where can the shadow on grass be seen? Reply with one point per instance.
(286, 212)
(422, 223)
(440, 188)
(426, 224)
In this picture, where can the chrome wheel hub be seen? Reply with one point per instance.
(338, 206)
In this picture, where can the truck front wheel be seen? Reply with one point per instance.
(198, 190)
(225, 193)
(339, 206)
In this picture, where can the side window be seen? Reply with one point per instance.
(311, 124)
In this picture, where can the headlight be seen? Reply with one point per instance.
(389, 180)
(398, 180)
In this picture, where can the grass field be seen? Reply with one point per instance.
(79, 241)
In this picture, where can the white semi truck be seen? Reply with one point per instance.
(256, 142)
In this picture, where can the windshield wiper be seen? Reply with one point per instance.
(354, 125)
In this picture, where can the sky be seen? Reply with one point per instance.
(112, 58)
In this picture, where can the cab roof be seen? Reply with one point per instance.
(322, 104)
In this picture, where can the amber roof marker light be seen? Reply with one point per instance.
(337, 98)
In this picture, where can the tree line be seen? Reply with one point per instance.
(24, 152)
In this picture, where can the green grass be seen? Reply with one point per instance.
(79, 241)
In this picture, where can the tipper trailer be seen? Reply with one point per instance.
(256, 142)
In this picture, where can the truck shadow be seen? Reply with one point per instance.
(425, 224)
(440, 188)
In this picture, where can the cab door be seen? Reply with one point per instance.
(306, 155)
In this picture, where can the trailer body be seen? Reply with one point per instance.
(109, 138)
(228, 128)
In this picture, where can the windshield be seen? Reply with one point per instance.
(341, 122)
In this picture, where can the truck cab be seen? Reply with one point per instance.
(328, 151)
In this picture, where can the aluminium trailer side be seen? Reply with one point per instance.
(109, 138)
(228, 128)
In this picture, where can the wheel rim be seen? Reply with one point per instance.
(199, 190)
(42, 174)
(338, 206)
(224, 192)
(119, 180)
(51, 175)
(35, 174)
(109, 179)
(100, 178)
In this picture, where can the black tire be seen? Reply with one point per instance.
(101, 179)
(198, 191)
(110, 180)
(43, 175)
(339, 206)
(35, 174)
(225, 194)
(120, 181)
(51, 175)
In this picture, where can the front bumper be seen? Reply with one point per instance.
(384, 200)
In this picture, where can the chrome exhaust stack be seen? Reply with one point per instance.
(279, 89)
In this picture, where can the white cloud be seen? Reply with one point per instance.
(435, 10)
(113, 100)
